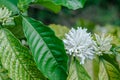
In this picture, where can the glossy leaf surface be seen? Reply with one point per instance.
(48, 51)
(77, 71)
(108, 69)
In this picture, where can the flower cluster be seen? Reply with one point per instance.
(79, 43)
(102, 44)
(5, 15)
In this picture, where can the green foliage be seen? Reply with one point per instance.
(118, 58)
(71, 4)
(3, 73)
(50, 5)
(24, 4)
(95, 68)
(17, 59)
(77, 71)
(54, 5)
(17, 29)
(108, 68)
(49, 60)
(47, 50)
(59, 30)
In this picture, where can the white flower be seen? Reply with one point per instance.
(5, 15)
(102, 44)
(79, 44)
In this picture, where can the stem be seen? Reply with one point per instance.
(0, 25)
(69, 61)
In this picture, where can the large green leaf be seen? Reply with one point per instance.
(108, 70)
(10, 5)
(71, 4)
(77, 71)
(16, 58)
(48, 51)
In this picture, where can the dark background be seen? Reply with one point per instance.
(94, 12)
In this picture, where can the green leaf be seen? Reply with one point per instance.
(50, 5)
(3, 73)
(77, 71)
(17, 29)
(108, 70)
(15, 2)
(54, 5)
(24, 4)
(118, 59)
(71, 4)
(111, 59)
(16, 58)
(95, 68)
(10, 5)
(47, 50)
(59, 30)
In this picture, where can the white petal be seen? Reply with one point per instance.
(79, 43)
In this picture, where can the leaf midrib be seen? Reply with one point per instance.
(76, 69)
(43, 41)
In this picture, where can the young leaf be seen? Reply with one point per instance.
(48, 51)
(16, 58)
(77, 71)
(108, 70)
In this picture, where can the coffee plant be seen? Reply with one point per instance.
(31, 50)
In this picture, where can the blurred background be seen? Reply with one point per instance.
(94, 12)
